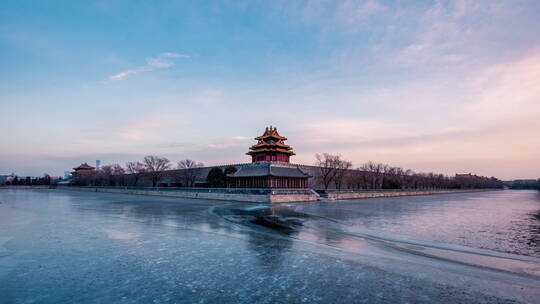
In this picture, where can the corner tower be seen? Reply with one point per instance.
(270, 147)
(270, 167)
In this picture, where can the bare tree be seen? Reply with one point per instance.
(377, 171)
(331, 168)
(378, 175)
(104, 176)
(155, 168)
(187, 171)
(342, 171)
(110, 175)
(391, 177)
(326, 168)
(136, 170)
(408, 179)
(118, 175)
(353, 179)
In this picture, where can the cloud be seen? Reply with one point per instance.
(461, 32)
(354, 11)
(507, 90)
(240, 138)
(162, 61)
(174, 55)
(158, 63)
(479, 119)
(122, 75)
(145, 130)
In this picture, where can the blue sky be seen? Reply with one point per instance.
(443, 86)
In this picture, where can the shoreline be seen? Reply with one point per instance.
(350, 195)
(273, 196)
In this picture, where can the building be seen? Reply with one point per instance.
(84, 167)
(6, 179)
(270, 147)
(270, 167)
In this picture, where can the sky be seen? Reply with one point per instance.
(434, 86)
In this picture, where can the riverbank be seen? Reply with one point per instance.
(345, 195)
(267, 195)
(225, 194)
(26, 187)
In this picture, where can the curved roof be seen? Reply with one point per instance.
(270, 169)
(271, 141)
(84, 166)
(270, 133)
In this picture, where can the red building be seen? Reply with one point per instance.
(270, 147)
(84, 167)
(270, 167)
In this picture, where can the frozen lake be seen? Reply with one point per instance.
(59, 246)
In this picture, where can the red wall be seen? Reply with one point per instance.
(269, 157)
(269, 182)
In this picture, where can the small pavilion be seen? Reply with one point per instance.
(270, 167)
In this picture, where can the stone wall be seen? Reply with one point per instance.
(272, 196)
(26, 187)
(371, 194)
(284, 198)
(261, 198)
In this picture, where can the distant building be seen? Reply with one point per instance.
(6, 179)
(270, 167)
(81, 175)
(3, 179)
(84, 167)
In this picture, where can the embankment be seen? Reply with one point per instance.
(246, 195)
(26, 187)
(267, 195)
(342, 195)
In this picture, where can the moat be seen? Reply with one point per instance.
(66, 246)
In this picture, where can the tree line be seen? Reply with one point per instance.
(153, 169)
(331, 171)
(335, 172)
(30, 181)
(522, 184)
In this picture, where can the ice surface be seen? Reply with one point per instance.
(77, 247)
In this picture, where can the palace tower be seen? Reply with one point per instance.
(270, 167)
(270, 147)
